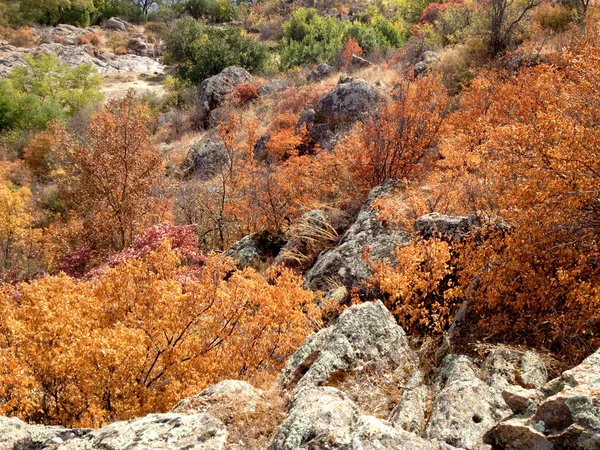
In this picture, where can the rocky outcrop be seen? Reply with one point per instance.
(351, 100)
(465, 407)
(562, 414)
(426, 60)
(345, 265)
(205, 159)
(364, 335)
(254, 250)
(213, 91)
(320, 72)
(117, 24)
(106, 63)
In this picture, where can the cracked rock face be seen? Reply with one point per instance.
(363, 334)
(465, 407)
(347, 102)
(565, 413)
(345, 265)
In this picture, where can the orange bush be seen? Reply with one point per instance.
(351, 47)
(246, 92)
(89, 352)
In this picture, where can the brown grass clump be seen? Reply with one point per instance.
(23, 37)
(94, 39)
(375, 390)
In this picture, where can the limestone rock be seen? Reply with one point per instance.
(253, 250)
(205, 159)
(271, 87)
(213, 91)
(346, 103)
(319, 418)
(344, 265)
(365, 333)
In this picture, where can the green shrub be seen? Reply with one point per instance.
(311, 38)
(45, 89)
(199, 51)
(212, 10)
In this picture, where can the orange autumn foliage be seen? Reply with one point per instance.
(351, 47)
(143, 335)
(109, 180)
(420, 289)
(524, 147)
(401, 141)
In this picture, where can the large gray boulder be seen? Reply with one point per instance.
(465, 407)
(325, 418)
(364, 335)
(318, 418)
(162, 431)
(345, 265)
(213, 91)
(14, 433)
(351, 100)
(205, 160)
(564, 415)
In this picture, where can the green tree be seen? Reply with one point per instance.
(45, 89)
(53, 12)
(200, 51)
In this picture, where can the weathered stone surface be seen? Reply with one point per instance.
(213, 91)
(105, 63)
(205, 159)
(465, 407)
(320, 72)
(114, 23)
(347, 102)
(409, 413)
(272, 86)
(446, 227)
(344, 265)
(162, 431)
(365, 333)
(319, 418)
(426, 60)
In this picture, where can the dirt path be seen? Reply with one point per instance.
(116, 86)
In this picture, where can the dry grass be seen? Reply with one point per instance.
(23, 37)
(94, 39)
(375, 390)
(256, 429)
